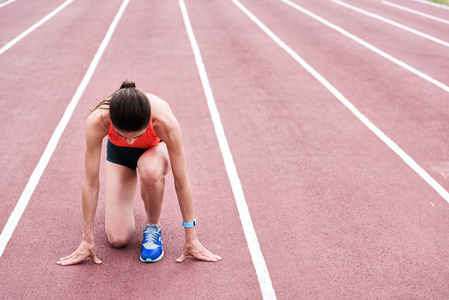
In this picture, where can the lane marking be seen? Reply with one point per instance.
(245, 217)
(51, 146)
(369, 46)
(432, 4)
(392, 145)
(415, 12)
(7, 2)
(32, 28)
(388, 21)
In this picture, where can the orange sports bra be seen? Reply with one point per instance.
(147, 140)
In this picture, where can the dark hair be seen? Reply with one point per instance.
(129, 108)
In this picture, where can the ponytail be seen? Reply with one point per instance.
(127, 85)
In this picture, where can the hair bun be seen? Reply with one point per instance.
(128, 84)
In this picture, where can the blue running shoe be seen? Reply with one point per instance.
(152, 250)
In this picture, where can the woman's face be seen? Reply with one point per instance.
(131, 136)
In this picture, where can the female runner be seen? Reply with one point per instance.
(144, 138)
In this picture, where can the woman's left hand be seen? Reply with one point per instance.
(196, 250)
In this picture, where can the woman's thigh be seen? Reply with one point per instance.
(120, 189)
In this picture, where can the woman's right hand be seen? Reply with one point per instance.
(85, 250)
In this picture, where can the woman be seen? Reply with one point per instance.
(144, 138)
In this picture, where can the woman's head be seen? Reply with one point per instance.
(129, 108)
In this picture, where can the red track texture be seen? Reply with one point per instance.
(338, 215)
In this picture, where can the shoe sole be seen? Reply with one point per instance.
(149, 260)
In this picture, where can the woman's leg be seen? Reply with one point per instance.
(120, 188)
(152, 166)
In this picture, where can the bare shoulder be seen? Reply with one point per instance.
(158, 105)
(97, 123)
(164, 122)
(160, 110)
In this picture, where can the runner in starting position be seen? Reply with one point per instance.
(144, 137)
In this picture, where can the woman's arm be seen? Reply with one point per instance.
(95, 132)
(167, 128)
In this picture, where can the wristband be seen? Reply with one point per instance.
(189, 225)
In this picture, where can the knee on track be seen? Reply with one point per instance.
(118, 240)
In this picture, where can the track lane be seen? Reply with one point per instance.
(37, 75)
(165, 67)
(242, 206)
(18, 16)
(376, 83)
(379, 16)
(416, 12)
(425, 7)
(426, 57)
(436, 29)
(338, 215)
(6, 2)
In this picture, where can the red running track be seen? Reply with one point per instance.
(338, 215)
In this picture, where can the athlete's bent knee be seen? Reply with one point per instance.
(118, 241)
(151, 176)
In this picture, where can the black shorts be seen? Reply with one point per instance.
(125, 156)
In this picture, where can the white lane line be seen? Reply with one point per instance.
(392, 145)
(369, 46)
(432, 4)
(7, 2)
(32, 28)
(51, 146)
(245, 217)
(415, 12)
(385, 20)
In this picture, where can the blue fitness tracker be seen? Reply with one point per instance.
(189, 225)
